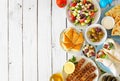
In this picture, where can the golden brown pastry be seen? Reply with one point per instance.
(115, 13)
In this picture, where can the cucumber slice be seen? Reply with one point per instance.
(76, 22)
(75, 13)
(95, 10)
(83, 24)
(87, 21)
(72, 8)
(89, 0)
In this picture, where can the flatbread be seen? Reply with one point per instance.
(115, 13)
(116, 29)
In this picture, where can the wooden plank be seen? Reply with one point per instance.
(4, 40)
(58, 25)
(30, 40)
(44, 39)
(15, 40)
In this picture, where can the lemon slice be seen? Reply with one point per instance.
(69, 67)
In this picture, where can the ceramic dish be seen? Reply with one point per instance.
(87, 60)
(101, 29)
(96, 18)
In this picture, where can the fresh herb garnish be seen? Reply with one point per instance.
(73, 60)
(110, 45)
(104, 56)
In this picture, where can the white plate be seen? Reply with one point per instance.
(97, 17)
(87, 60)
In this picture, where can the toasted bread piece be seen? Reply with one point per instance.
(77, 47)
(67, 46)
(80, 39)
(69, 33)
(116, 29)
(66, 39)
(75, 36)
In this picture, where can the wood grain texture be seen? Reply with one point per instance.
(58, 25)
(30, 40)
(4, 40)
(44, 39)
(15, 40)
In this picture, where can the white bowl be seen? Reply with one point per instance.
(97, 15)
(93, 26)
(108, 22)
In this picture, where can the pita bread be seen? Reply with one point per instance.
(115, 13)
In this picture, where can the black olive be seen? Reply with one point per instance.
(109, 78)
(82, 16)
(78, 1)
(91, 7)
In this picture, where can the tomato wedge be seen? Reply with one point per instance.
(82, 20)
(84, 1)
(92, 14)
(73, 4)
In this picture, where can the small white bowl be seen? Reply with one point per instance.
(97, 15)
(93, 26)
(108, 22)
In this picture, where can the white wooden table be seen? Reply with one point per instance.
(29, 39)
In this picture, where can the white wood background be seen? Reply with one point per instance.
(29, 39)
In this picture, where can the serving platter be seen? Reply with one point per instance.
(87, 61)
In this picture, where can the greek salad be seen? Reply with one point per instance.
(81, 12)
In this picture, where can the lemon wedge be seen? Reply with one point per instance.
(69, 67)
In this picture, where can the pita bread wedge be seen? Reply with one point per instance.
(115, 13)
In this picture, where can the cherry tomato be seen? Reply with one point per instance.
(92, 14)
(61, 3)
